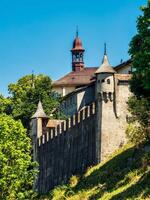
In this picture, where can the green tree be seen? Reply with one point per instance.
(140, 53)
(16, 168)
(5, 105)
(26, 93)
(138, 130)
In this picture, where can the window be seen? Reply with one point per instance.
(105, 97)
(108, 81)
(77, 58)
(110, 96)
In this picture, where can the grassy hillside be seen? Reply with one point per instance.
(125, 175)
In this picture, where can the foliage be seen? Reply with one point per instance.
(140, 53)
(5, 105)
(138, 130)
(58, 193)
(139, 104)
(73, 181)
(17, 170)
(26, 93)
(139, 108)
(125, 175)
(136, 133)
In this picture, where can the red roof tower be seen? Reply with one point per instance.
(77, 54)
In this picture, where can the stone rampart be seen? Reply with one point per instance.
(67, 149)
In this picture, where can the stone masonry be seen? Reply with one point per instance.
(86, 138)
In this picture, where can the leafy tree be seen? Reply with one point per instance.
(26, 93)
(16, 168)
(139, 104)
(140, 53)
(5, 105)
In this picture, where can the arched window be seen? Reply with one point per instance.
(108, 81)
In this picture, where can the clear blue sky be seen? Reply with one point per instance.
(37, 34)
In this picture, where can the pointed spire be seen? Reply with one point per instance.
(39, 112)
(77, 32)
(105, 57)
(105, 60)
(105, 67)
(105, 49)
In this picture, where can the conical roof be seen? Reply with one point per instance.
(39, 112)
(77, 44)
(105, 67)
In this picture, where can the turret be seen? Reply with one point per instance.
(105, 93)
(39, 121)
(77, 54)
(38, 127)
(105, 78)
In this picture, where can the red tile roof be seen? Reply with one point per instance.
(77, 45)
(86, 76)
(52, 123)
(77, 78)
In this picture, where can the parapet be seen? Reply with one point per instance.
(59, 127)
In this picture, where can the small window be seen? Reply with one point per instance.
(103, 80)
(110, 95)
(108, 81)
(105, 95)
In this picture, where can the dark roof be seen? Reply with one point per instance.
(128, 62)
(77, 78)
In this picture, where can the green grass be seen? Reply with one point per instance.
(124, 176)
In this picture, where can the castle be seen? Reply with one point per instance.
(95, 103)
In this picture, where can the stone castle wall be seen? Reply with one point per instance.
(85, 139)
(66, 150)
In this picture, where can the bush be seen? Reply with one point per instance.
(138, 130)
(136, 133)
(16, 167)
(73, 181)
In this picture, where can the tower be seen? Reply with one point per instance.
(77, 54)
(106, 115)
(38, 123)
